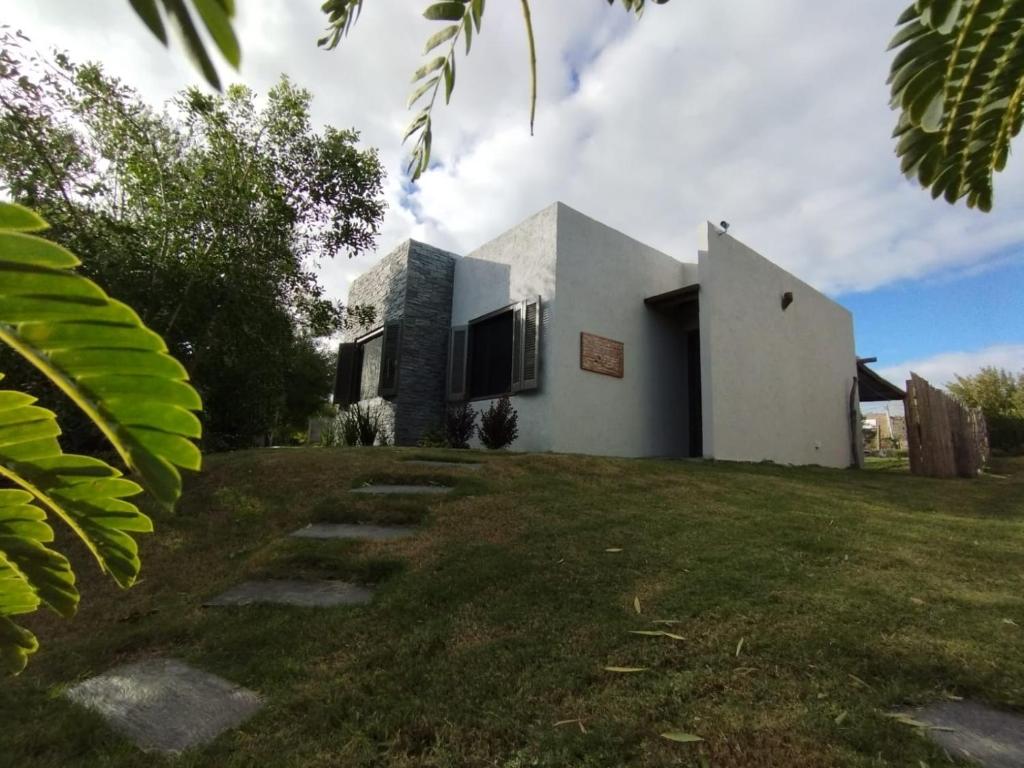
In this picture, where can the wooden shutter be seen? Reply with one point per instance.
(531, 345)
(346, 377)
(390, 348)
(457, 345)
(518, 313)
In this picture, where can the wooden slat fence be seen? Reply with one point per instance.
(945, 438)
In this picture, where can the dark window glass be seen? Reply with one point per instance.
(371, 368)
(490, 356)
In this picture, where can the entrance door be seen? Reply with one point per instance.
(693, 389)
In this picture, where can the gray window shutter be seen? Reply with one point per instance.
(458, 341)
(518, 313)
(346, 377)
(390, 348)
(526, 346)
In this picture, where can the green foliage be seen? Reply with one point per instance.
(461, 19)
(111, 366)
(216, 16)
(958, 79)
(499, 424)
(1006, 433)
(432, 438)
(459, 425)
(995, 391)
(206, 218)
(636, 6)
(1000, 396)
(341, 15)
(359, 425)
(958, 82)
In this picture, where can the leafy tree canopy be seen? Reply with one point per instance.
(995, 391)
(207, 216)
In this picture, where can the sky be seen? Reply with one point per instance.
(772, 116)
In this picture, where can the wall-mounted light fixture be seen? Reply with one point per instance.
(787, 299)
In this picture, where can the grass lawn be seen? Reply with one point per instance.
(807, 603)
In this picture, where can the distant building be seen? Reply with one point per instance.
(609, 346)
(884, 432)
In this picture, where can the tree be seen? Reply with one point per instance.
(1000, 396)
(995, 391)
(205, 217)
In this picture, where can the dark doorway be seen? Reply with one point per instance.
(693, 391)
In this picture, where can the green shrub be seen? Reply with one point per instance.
(499, 424)
(459, 425)
(432, 438)
(1006, 433)
(360, 425)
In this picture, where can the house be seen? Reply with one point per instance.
(609, 346)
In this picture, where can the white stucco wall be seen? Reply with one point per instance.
(517, 265)
(775, 383)
(603, 277)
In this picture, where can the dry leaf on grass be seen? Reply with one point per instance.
(682, 738)
(655, 633)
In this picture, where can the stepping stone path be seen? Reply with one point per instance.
(967, 729)
(403, 489)
(445, 464)
(165, 705)
(354, 531)
(307, 594)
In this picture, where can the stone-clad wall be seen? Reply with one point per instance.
(424, 357)
(382, 288)
(413, 284)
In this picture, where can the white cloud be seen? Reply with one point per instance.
(773, 116)
(939, 369)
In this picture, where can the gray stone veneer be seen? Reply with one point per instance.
(412, 284)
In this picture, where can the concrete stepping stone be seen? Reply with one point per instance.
(307, 594)
(967, 729)
(403, 489)
(351, 531)
(165, 705)
(446, 464)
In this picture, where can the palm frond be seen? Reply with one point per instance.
(100, 354)
(31, 574)
(118, 372)
(341, 15)
(216, 16)
(958, 83)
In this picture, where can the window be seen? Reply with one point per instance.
(495, 354)
(369, 354)
(490, 356)
(368, 368)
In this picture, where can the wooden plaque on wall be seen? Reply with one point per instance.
(601, 355)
